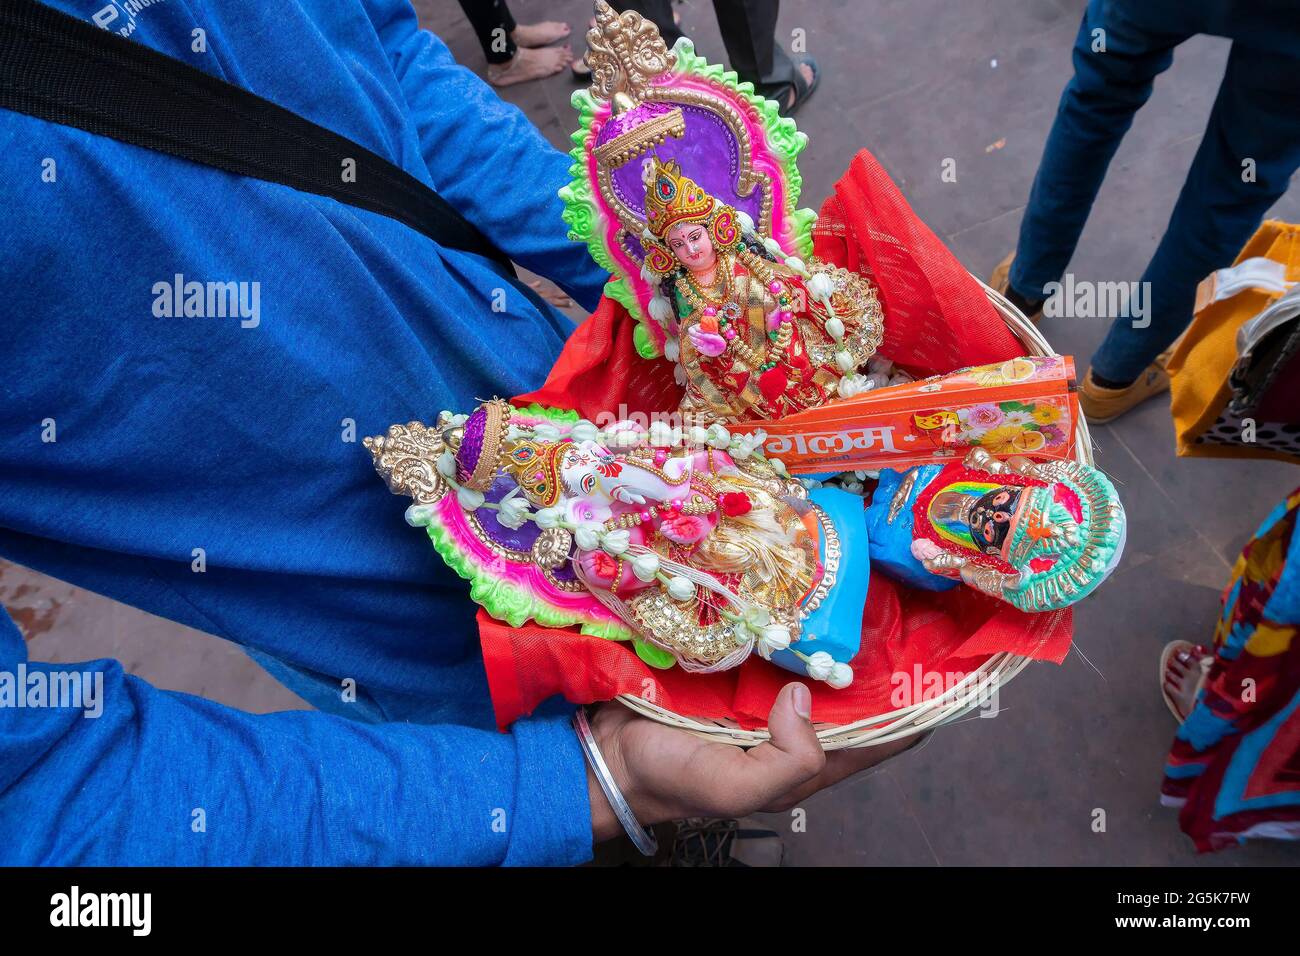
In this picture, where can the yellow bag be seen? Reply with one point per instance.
(1232, 371)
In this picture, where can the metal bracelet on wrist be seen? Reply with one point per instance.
(642, 837)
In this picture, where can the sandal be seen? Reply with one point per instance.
(1206, 658)
(802, 88)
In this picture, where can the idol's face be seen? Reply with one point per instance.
(690, 243)
(992, 518)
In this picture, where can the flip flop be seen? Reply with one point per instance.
(802, 88)
(1177, 647)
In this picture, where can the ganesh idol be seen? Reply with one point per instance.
(700, 551)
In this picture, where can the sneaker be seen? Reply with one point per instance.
(1100, 404)
(1000, 281)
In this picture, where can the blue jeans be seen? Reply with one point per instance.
(1255, 117)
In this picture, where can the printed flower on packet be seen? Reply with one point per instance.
(982, 416)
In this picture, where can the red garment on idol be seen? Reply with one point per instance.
(915, 644)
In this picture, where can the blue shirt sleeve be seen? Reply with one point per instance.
(180, 434)
(463, 124)
(135, 775)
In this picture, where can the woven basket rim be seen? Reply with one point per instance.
(955, 702)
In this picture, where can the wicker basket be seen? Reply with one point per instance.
(958, 700)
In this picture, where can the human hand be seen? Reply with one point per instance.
(669, 774)
(551, 293)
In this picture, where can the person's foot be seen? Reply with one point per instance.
(797, 93)
(1183, 675)
(1000, 281)
(1104, 402)
(528, 64)
(539, 34)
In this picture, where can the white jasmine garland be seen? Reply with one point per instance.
(457, 420)
(419, 516)
(447, 465)
(852, 384)
(779, 467)
(512, 513)
(663, 435)
(795, 263)
(623, 435)
(661, 310)
(679, 374)
(841, 676)
(587, 536)
(775, 637)
(583, 430)
(672, 350)
(546, 432)
(746, 221)
(844, 361)
(615, 542)
(469, 499)
(774, 247)
(646, 566)
(719, 437)
(820, 286)
(680, 588)
(699, 435)
(835, 328)
(820, 665)
(548, 518)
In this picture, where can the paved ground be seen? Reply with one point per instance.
(919, 81)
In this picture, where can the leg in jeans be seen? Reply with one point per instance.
(493, 25)
(1096, 111)
(1256, 118)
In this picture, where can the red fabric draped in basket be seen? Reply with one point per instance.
(915, 644)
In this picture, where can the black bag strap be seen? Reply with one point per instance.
(58, 68)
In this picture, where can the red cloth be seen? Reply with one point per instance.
(937, 317)
(914, 643)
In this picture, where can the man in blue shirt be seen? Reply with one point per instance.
(208, 469)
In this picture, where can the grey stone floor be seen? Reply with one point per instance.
(919, 81)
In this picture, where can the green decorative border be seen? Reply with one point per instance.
(563, 415)
(1106, 542)
(506, 602)
(582, 213)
